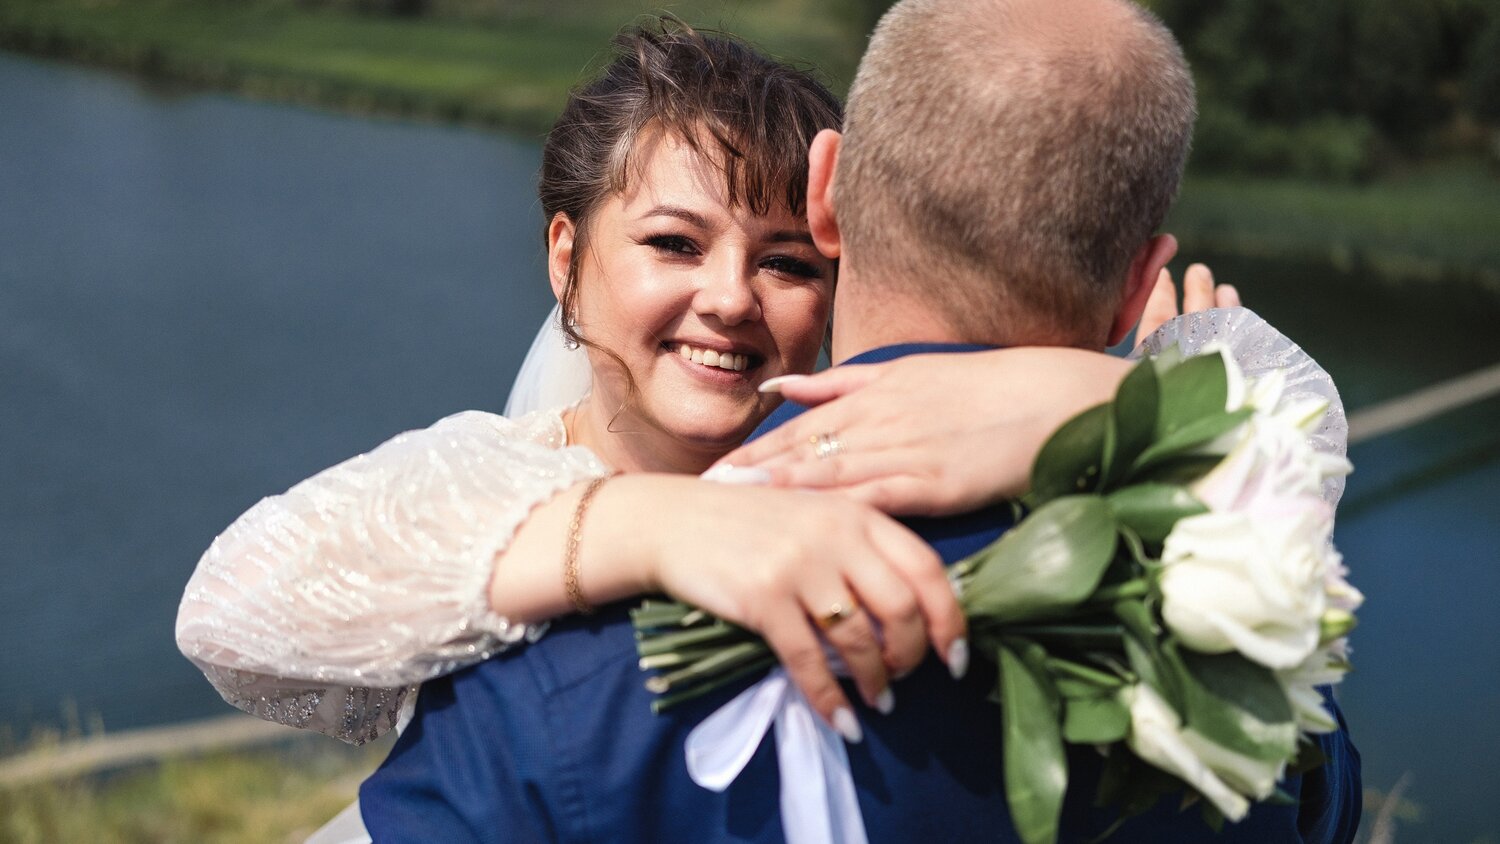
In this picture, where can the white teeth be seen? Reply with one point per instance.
(719, 360)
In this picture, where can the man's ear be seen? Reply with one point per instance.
(1149, 260)
(560, 234)
(822, 217)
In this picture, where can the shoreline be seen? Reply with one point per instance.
(1430, 224)
(96, 754)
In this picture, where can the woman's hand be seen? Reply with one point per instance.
(776, 561)
(932, 434)
(773, 561)
(1199, 293)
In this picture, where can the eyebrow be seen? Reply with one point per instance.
(683, 214)
(790, 236)
(696, 219)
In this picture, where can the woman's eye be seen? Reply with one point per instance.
(672, 243)
(795, 267)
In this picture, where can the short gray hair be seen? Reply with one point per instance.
(1015, 155)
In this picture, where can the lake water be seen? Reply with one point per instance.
(203, 300)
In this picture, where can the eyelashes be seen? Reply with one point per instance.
(795, 267)
(676, 246)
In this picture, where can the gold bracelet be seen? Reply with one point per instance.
(570, 556)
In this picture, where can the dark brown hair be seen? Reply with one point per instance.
(701, 87)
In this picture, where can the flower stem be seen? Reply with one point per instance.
(652, 643)
(667, 701)
(705, 669)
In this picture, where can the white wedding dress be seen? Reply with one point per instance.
(324, 607)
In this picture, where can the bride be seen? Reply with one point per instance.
(679, 252)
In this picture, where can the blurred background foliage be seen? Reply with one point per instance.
(1337, 90)
(1340, 89)
(1364, 134)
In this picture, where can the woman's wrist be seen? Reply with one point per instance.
(618, 546)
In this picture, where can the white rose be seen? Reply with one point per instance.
(1257, 573)
(1280, 426)
(1252, 581)
(1325, 667)
(1156, 735)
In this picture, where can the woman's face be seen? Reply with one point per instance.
(701, 301)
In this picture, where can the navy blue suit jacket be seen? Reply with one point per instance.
(555, 741)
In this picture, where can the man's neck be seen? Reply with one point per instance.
(869, 316)
(863, 321)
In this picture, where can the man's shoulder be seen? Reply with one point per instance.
(574, 650)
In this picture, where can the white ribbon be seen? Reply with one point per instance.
(818, 803)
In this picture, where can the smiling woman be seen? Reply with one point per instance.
(688, 302)
(675, 224)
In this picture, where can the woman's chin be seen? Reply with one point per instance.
(708, 429)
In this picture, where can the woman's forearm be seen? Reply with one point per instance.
(375, 573)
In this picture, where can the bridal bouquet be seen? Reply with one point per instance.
(1169, 594)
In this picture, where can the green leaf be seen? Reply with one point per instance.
(1236, 704)
(1054, 559)
(1132, 419)
(1036, 772)
(1143, 649)
(1212, 816)
(1097, 720)
(1202, 430)
(1280, 797)
(1150, 510)
(1191, 390)
(1181, 470)
(1310, 756)
(1071, 460)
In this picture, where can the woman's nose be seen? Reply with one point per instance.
(726, 292)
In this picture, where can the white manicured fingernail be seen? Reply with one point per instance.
(958, 658)
(847, 725)
(724, 473)
(885, 701)
(773, 385)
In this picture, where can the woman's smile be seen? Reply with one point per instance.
(690, 301)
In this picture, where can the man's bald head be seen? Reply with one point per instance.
(1017, 152)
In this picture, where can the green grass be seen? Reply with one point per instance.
(1439, 221)
(240, 797)
(513, 73)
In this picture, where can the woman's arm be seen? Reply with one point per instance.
(768, 560)
(985, 415)
(320, 607)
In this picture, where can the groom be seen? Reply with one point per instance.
(1004, 167)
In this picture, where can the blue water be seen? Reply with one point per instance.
(203, 300)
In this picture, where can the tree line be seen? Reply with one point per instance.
(1329, 89)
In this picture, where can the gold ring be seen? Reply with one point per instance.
(837, 613)
(826, 445)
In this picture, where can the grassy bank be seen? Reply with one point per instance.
(1437, 222)
(235, 797)
(512, 69)
(512, 73)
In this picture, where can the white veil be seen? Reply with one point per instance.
(553, 375)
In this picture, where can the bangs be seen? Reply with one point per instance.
(754, 118)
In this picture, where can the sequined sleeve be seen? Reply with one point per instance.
(1259, 348)
(321, 608)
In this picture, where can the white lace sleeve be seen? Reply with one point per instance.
(320, 608)
(1259, 348)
